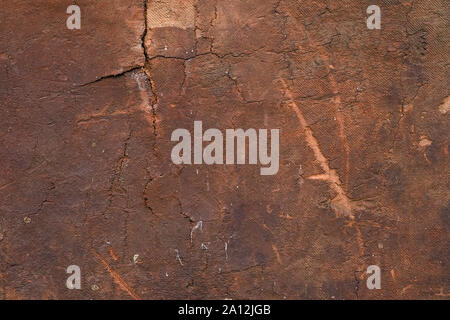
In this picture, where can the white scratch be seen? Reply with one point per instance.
(226, 250)
(198, 225)
(178, 257)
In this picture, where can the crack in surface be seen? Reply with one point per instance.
(111, 76)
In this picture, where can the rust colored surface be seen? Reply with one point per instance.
(86, 176)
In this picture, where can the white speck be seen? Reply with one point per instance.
(135, 258)
(167, 275)
(203, 246)
(165, 47)
(95, 287)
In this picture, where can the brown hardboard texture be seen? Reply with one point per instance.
(86, 176)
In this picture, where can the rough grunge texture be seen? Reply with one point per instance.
(86, 176)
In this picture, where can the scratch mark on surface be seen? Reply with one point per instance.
(6, 185)
(277, 254)
(406, 288)
(113, 254)
(226, 250)
(340, 120)
(178, 258)
(359, 237)
(338, 104)
(198, 225)
(117, 278)
(341, 204)
(393, 275)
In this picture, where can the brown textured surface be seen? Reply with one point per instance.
(85, 149)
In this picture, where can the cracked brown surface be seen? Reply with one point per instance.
(86, 176)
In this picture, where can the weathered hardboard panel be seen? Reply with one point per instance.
(86, 176)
